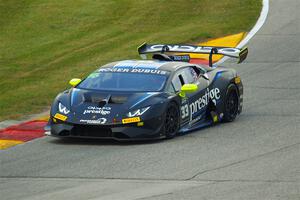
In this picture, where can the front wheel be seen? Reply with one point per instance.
(171, 121)
(231, 106)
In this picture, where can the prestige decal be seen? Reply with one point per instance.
(203, 101)
(96, 121)
(97, 110)
(200, 103)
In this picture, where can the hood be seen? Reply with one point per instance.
(98, 107)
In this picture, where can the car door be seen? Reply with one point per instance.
(194, 105)
(177, 82)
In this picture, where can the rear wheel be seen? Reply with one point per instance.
(171, 121)
(231, 106)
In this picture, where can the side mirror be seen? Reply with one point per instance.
(75, 81)
(188, 88)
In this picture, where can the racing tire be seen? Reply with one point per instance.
(171, 125)
(231, 104)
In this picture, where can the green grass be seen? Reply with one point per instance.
(43, 44)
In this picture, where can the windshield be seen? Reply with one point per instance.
(116, 81)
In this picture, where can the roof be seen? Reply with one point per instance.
(147, 64)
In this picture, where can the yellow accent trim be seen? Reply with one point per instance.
(4, 144)
(187, 88)
(141, 45)
(75, 81)
(140, 124)
(237, 80)
(215, 118)
(131, 120)
(60, 117)
(182, 94)
(227, 41)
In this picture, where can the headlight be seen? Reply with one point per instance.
(63, 109)
(137, 112)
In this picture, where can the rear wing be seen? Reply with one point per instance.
(240, 54)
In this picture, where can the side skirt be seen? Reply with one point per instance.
(201, 124)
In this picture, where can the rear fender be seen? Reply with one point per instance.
(222, 82)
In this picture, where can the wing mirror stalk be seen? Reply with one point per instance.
(205, 76)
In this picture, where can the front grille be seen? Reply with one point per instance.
(91, 131)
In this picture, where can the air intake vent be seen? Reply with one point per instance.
(117, 99)
(102, 103)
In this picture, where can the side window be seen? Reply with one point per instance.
(198, 70)
(194, 73)
(189, 75)
(184, 76)
(202, 71)
(176, 82)
(171, 88)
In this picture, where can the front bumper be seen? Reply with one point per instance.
(151, 129)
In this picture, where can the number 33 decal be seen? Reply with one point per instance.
(184, 111)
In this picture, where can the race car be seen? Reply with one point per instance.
(150, 99)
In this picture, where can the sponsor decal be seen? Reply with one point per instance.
(97, 110)
(133, 70)
(131, 120)
(203, 101)
(60, 117)
(195, 106)
(115, 70)
(63, 109)
(149, 64)
(184, 58)
(148, 71)
(138, 112)
(195, 49)
(94, 121)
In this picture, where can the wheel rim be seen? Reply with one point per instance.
(232, 104)
(171, 123)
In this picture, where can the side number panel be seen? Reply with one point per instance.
(185, 112)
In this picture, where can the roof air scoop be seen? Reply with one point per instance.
(102, 103)
(117, 99)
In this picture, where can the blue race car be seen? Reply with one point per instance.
(150, 99)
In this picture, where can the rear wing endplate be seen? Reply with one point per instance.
(240, 54)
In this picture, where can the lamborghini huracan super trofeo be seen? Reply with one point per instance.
(147, 99)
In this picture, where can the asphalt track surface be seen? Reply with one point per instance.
(256, 157)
